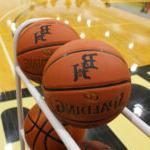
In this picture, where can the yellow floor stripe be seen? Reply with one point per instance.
(7, 81)
(139, 80)
(6, 53)
(129, 134)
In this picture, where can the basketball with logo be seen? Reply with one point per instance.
(86, 83)
(40, 135)
(93, 145)
(37, 42)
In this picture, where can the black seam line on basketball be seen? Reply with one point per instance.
(39, 113)
(36, 125)
(84, 88)
(46, 137)
(87, 50)
(43, 130)
(38, 133)
(37, 75)
(43, 46)
(85, 147)
(89, 121)
(45, 141)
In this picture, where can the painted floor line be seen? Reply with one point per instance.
(2, 42)
(7, 55)
(10, 12)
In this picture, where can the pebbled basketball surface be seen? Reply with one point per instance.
(107, 66)
(86, 83)
(38, 41)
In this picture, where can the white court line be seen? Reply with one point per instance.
(5, 50)
(9, 12)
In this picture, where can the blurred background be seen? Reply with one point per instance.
(124, 24)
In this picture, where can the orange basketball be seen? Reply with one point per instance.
(40, 135)
(94, 145)
(37, 42)
(86, 83)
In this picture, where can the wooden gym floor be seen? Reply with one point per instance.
(129, 33)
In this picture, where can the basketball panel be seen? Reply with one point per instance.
(85, 69)
(35, 60)
(79, 45)
(90, 106)
(29, 121)
(43, 33)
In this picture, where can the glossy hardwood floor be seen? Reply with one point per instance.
(127, 32)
